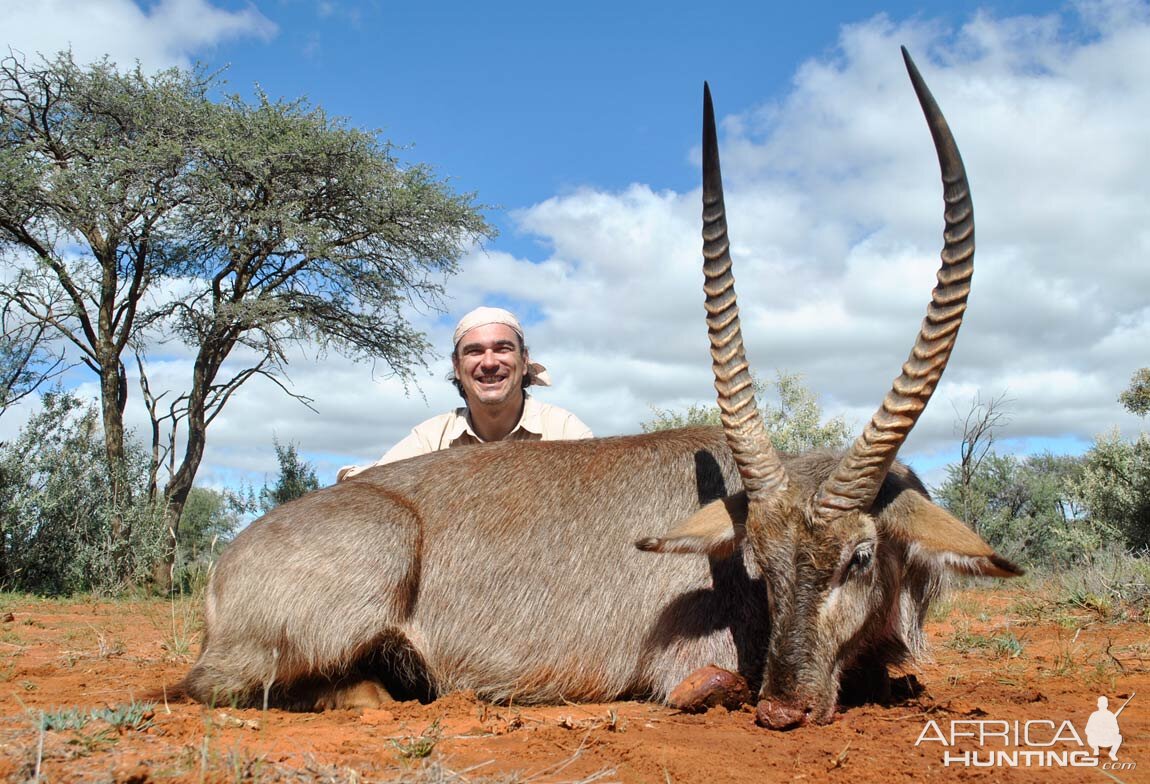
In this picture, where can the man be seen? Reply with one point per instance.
(491, 370)
(1102, 729)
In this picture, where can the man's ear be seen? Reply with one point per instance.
(933, 535)
(716, 530)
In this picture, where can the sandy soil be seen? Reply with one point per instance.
(999, 655)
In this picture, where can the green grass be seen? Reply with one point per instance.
(1113, 587)
(135, 716)
(65, 719)
(1004, 645)
(183, 626)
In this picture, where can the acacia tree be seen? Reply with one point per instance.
(149, 209)
(90, 170)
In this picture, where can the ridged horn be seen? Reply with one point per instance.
(759, 465)
(856, 481)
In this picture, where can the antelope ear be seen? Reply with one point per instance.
(716, 530)
(942, 540)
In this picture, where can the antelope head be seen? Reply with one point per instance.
(850, 547)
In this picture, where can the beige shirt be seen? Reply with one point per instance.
(538, 422)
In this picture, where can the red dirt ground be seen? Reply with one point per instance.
(999, 655)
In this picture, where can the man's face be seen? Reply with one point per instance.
(490, 365)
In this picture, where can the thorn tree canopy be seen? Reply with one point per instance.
(135, 206)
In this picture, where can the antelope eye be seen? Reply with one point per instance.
(862, 558)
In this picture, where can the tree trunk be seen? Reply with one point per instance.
(113, 399)
(177, 490)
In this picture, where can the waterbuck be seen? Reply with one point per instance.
(614, 567)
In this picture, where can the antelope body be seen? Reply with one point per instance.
(614, 567)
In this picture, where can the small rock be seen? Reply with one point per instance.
(707, 687)
(8, 618)
(226, 720)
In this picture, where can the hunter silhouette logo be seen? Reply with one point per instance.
(1040, 742)
(1102, 728)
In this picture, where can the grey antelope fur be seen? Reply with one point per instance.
(614, 567)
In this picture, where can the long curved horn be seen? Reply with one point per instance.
(856, 481)
(761, 469)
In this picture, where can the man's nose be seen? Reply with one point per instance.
(489, 359)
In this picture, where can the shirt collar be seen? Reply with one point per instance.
(530, 420)
(532, 417)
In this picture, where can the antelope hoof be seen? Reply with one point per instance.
(776, 715)
(707, 687)
(364, 694)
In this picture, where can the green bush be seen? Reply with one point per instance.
(1115, 487)
(1027, 508)
(56, 509)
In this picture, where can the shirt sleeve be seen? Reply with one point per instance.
(414, 445)
(573, 428)
(555, 423)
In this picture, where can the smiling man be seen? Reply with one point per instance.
(492, 369)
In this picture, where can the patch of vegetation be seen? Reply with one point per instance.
(135, 716)
(65, 719)
(1006, 645)
(1113, 586)
(1003, 645)
(940, 609)
(421, 746)
(86, 744)
(1065, 657)
(109, 647)
(236, 765)
(184, 624)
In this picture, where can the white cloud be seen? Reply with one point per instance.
(167, 33)
(835, 213)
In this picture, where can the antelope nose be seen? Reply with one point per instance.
(775, 714)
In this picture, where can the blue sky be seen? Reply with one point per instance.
(519, 101)
(579, 124)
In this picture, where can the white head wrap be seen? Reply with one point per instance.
(536, 373)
